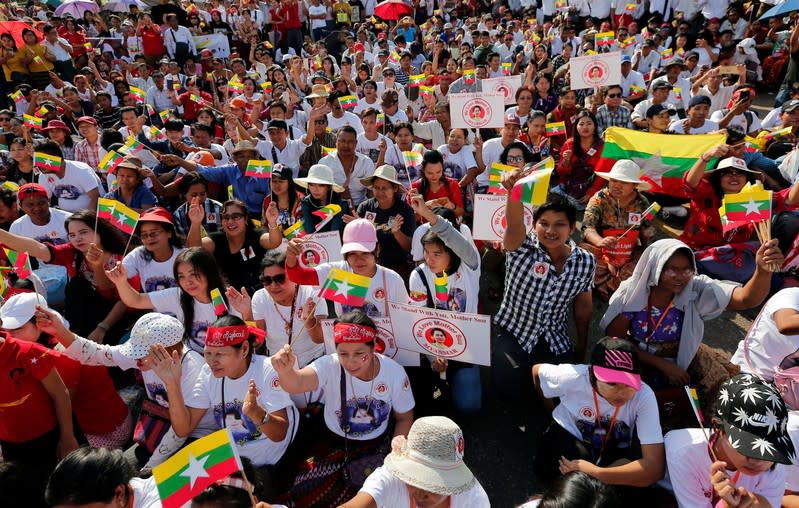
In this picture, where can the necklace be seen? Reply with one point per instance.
(287, 322)
(371, 387)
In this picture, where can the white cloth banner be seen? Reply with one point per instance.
(477, 110)
(506, 85)
(489, 217)
(321, 248)
(385, 339)
(450, 335)
(217, 43)
(593, 71)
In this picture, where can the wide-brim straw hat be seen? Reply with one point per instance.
(385, 172)
(319, 174)
(625, 171)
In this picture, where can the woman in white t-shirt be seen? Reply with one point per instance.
(448, 279)
(197, 275)
(459, 162)
(601, 404)
(154, 260)
(239, 388)
(426, 469)
(360, 257)
(361, 390)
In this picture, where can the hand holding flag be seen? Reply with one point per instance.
(534, 188)
(345, 287)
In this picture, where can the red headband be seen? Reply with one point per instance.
(353, 333)
(227, 336)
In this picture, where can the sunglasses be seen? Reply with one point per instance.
(232, 216)
(279, 279)
(614, 96)
(517, 158)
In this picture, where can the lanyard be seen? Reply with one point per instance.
(599, 425)
(656, 325)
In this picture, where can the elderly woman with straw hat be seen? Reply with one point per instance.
(392, 216)
(424, 469)
(615, 227)
(322, 191)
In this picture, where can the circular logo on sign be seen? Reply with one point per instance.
(596, 73)
(381, 388)
(313, 255)
(587, 413)
(499, 223)
(385, 339)
(503, 88)
(477, 113)
(439, 337)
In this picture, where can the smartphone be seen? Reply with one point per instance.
(744, 95)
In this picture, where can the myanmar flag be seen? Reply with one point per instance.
(193, 468)
(533, 188)
(137, 93)
(605, 38)
(327, 213)
(220, 307)
(165, 113)
(110, 161)
(266, 86)
(555, 128)
(345, 287)
(295, 230)
(468, 77)
(118, 214)
(416, 80)
(31, 121)
(412, 159)
(441, 287)
(663, 158)
(752, 204)
(17, 96)
(348, 102)
(259, 169)
(20, 261)
(506, 68)
(46, 162)
(651, 211)
(426, 91)
(495, 177)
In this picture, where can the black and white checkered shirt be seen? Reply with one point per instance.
(537, 299)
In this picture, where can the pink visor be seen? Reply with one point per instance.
(607, 375)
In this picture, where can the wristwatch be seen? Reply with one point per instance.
(264, 420)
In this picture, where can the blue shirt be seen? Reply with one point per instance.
(246, 188)
(141, 196)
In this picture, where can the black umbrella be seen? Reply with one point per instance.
(160, 10)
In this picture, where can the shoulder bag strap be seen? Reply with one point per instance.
(343, 389)
(421, 275)
(385, 291)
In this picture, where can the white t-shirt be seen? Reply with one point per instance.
(315, 10)
(677, 127)
(367, 412)
(388, 491)
(212, 393)
(688, 463)
(364, 168)
(53, 232)
(347, 119)
(457, 164)
(718, 100)
(363, 104)
(739, 121)
(154, 275)
(768, 348)
(375, 305)
(417, 251)
(577, 414)
(772, 120)
(792, 471)
(73, 189)
(265, 308)
(145, 493)
(168, 302)
(492, 149)
(463, 287)
(370, 148)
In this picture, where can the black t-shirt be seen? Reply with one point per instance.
(240, 268)
(391, 253)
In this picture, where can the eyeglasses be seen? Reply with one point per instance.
(515, 158)
(151, 234)
(614, 96)
(320, 122)
(232, 216)
(278, 279)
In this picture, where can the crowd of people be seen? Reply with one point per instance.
(163, 168)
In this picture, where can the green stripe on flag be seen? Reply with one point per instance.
(357, 291)
(175, 482)
(614, 151)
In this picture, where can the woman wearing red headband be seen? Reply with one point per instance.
(361, 390)
(240, 388)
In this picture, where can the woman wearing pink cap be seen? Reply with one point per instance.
(601, 404)
(360, 252)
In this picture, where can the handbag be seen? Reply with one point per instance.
(181, 48)
(785, 380)
(152, 426)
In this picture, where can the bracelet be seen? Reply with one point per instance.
(102, 326)
(273, 227)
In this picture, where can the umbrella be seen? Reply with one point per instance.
(15, 29)
(157, 13)
(781, 9)
(76, 8)
(124, 5)
(393, 10)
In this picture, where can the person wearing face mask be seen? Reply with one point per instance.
(601, 405)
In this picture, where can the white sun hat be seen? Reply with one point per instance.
(150, 329)
(431, 458)
(625, 170)
(320, 174)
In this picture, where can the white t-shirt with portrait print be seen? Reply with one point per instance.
(417, 250)
(463, 287)
(371, 404)
(154, 275)
(213, 393)
(371, 148)
(72, 190)
(168, 302)
(395, 158)
(274, 315)
(388, 491)
(456, 165)
(376, 304)
(53, 232)
(688, 472)
(577, 412)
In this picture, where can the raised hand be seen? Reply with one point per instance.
(166, 366)
(117, 274)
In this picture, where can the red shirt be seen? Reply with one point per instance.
(564, 171)
(64, 255)
(451, 190)
(152, 41)
(26, 409)
(190, 108)
(290, 13)
(76, 39)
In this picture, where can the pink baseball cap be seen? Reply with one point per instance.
(359, 236)
(615, 360)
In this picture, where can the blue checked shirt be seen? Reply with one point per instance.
(246, 188)
(536, 302)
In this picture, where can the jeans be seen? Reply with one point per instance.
(782, 95)
(466, 390)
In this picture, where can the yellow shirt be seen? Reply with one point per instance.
(13, 63)
(40, 50)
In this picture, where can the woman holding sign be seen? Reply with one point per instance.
(615, 228)
(448, 279)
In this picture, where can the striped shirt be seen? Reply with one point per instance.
(536, 302)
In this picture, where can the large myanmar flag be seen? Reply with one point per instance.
(193, 468)
(663, 158)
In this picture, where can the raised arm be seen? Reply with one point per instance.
(291, 379)
(757, 288)
(129, 296)
(25, 244)
(515, 232)
(168, 367)
(697, 171)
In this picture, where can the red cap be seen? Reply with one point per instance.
(156, 214)
(87, 119)
(30, 190)
(713, 20)
(358, 47)
(352, 333)
(511, 118)
(54, 125)
(206, 53)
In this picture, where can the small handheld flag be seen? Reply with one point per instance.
(196, 98)
(266, 86)
(555, 129)
(380, 120)
(605, 38)
(235, 86)
(412, 159)
(21, 262)
(46, 163)
(651, 211)
(31, 121)
(468, 77)
(220, 307)
(348, 102)
(694, 398)
(137, 93)
(533, 188)
(345, 287)
(416, 80)
(328, 151)
(327, 213)
(495, 177)
(38, 60)
(296, 230)
(18, 96)
(426, 91)
(441, 287)
(110, 162)
(259, 169)
(118, 214)
(506, 68)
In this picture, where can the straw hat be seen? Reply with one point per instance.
(245, 146)
(321, 174)
(431, 458)
(625, 171)
(385, 172)
(318, 91)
